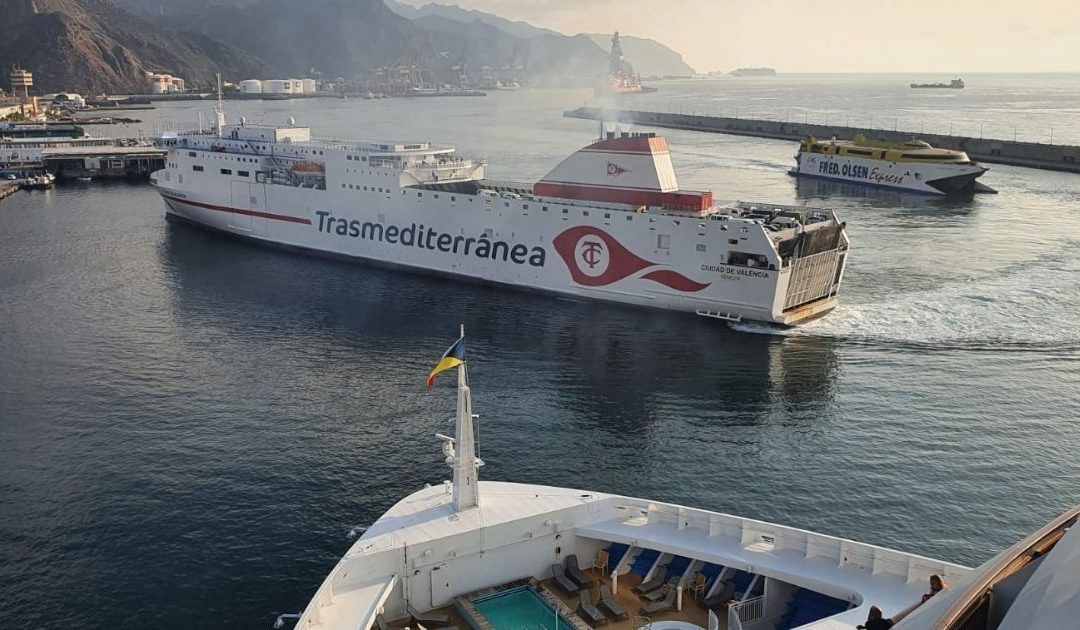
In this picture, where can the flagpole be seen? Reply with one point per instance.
(465, 463)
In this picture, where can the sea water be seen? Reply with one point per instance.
(191, 425)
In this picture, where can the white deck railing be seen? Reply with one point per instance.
(746, 612)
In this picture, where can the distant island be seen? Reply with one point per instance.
(753, 72)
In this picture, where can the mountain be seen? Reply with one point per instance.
(294, 37)
(93, 46)
(453, 12)
(650, 57)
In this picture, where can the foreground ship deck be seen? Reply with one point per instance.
(609, 222)
(505, 556)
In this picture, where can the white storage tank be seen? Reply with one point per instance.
(251, 86)
(276, 86)
(309, 86)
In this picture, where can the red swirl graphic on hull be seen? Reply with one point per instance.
(595, 259)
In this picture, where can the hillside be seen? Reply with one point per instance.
(294, 37)
(649, 57)
(92, 46)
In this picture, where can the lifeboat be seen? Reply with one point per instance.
(309, 168)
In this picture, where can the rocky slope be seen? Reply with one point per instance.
(92, 46)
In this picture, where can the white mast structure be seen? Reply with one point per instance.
(460, 450)
(219, 111)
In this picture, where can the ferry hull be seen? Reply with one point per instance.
(934, 179)
(729, 293)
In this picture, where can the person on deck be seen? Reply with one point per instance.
(876, 620)
(937, 584)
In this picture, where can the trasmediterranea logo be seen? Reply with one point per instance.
(614, 170)
(595, 259)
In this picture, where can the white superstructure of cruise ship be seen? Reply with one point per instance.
(503, 556)
(609, 222)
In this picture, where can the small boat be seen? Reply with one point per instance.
(85, 178)
(40, 182)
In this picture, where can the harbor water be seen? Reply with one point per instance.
(192, 425)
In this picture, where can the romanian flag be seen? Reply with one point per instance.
(453, 357)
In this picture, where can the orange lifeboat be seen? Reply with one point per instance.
(309, 168)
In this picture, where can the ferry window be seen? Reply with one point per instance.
(365, 187)
(607, 215)
(584, 213)
(452, 198)
(436, 195)
(348, 157)
(417, 194)
(701, 247)
(226, 171)
(506, 203)
(663, 241)
(350, 186)
(191, 154)
(243, 173)
(197, 168)
(524, 206)
(544, 208)
(629, 217)
(364, 158)
(564, 211)
(733, 241)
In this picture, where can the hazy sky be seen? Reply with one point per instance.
(829, 35)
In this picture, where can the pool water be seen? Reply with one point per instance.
(519, 609)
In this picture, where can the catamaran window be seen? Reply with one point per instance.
(663, 241)
(226, 171)
(607, 215)
(197, 168)
(191, 154)
(243, 173)
(701, 247)
(544, 208)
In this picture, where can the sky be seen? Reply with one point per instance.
(946, 36)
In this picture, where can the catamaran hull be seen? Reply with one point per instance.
(934, 179)
(514, 249)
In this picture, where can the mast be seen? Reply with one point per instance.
(466, 465)
(219, 111)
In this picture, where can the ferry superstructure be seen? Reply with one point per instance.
(914, 165)
(450, 554)
(609, 222)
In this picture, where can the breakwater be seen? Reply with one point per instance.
(1054, 157)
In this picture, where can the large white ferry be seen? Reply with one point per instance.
(913, 165)
(507, 556)
(609, 222)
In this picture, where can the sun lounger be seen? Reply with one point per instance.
(658, 594)
(574, 571)
(664, 605)
(430, 618)
(562, 581)
(589, 610)
(610, 604)
(660, 577)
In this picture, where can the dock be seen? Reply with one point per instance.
(1052, 157)
(134, 162)
(7, 189)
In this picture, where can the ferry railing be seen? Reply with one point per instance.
(746, 612)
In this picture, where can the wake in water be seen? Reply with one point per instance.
(1031, 304)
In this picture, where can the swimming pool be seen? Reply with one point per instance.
(519, 608)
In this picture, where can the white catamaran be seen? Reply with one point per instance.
(506, 556)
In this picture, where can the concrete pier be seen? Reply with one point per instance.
(1053, 157)
(7, 189)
